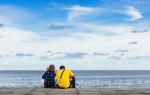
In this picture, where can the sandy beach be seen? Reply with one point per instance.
(76, 91)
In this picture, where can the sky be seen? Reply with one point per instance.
(80, 34)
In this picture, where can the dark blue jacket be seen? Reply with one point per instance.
(49, 79)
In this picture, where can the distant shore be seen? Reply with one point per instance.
(74, 91)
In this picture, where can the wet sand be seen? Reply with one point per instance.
(74, 91)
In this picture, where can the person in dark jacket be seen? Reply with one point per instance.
(48, 76)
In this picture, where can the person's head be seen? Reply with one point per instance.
(62, 67)
(51, 68)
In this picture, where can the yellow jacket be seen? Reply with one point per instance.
(64, 82)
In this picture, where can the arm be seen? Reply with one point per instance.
(44, 76)
(57, 80)
(56, 76)
(71, 74)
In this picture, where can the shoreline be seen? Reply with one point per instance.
(73, 91)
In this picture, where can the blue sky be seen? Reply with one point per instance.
(80, 34)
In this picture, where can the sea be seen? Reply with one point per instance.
(84, 78)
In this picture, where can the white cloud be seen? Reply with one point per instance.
(86, 37)
(77, 11)
(133, 13)
(107, 29)
(16, 35)
(18, 40)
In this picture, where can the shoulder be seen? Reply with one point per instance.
(46, 72)
(49, 72)
(58, 71)
(68, 69)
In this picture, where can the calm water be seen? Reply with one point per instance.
(83, 78)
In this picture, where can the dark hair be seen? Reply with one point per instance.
(62, 67)
(51, 68)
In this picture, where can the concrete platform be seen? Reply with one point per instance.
(79, 91)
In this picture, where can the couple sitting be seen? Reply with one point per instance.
(64, 78)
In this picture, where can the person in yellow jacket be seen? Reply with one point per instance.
(63, 76)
